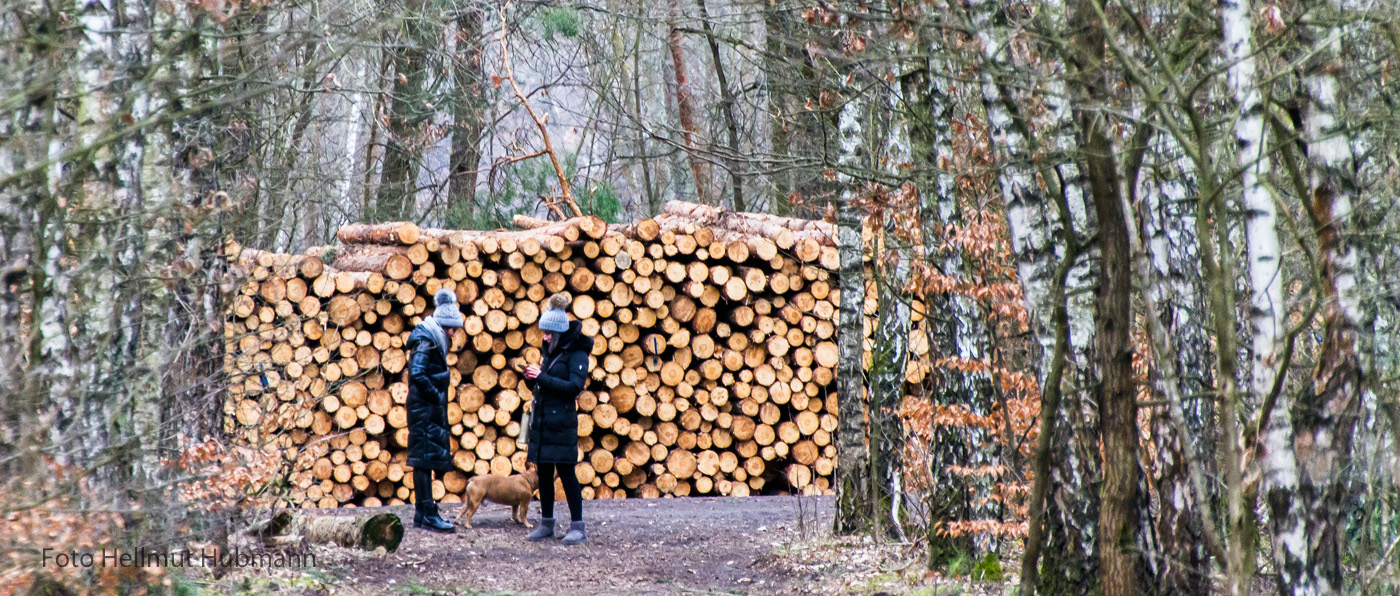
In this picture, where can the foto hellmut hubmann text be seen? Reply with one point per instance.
(145, 557)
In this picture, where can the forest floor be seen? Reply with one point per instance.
(721, 545)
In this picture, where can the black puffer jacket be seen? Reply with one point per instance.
(429, 442)
(563, 375)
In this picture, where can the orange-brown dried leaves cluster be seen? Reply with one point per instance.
(227, 478)
(45, 512)
(981, 240)
(57, 511)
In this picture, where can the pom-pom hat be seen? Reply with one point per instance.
(554, 318)
(447, 314)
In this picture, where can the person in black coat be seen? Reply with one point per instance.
(429, 442)
(556, 383)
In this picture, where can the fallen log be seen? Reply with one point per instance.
(365, 532)
(391, 233)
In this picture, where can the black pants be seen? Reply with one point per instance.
(573, 491)
(423, 491)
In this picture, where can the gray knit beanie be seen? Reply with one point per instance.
(446, 313)
(554, 318)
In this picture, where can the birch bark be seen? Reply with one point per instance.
(954, 323)
(1044, 212)
(28, 209)
(145, 202)
(104, 92)
(1309, 510)
(887, 372)
(853, 490)
(893, 263)
(1263, 260)
(1182, 352)
(855, 478)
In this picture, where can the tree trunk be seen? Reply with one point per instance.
(640, 144)
(1263, 258)
(783, 108)
(398, 184)
(33, 251)
(887, 373)
(955, 323)
(685, 106)
(365, 532)
(469, 108)
(160, 182)
(853, 490)
(1123, 570)
(1310, 516)
(735, 164)
(1062, 518)
(1181, 351)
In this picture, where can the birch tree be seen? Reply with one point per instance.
(1309, 492)
(1181, 349)
(853, 479)
(1052, 259)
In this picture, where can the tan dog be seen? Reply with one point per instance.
(515, 490)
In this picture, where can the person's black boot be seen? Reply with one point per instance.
(439, 525)
(426, 517)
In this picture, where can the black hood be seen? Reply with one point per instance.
(573, 340)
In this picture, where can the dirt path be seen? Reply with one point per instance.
(635, 546)
(722, 545)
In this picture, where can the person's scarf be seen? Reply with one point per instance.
(439, 335)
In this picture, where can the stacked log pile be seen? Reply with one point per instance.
(712, 372)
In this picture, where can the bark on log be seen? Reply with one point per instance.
(365, 532)
(389, 233)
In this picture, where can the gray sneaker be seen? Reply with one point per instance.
(576, 534)
(542, 531)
